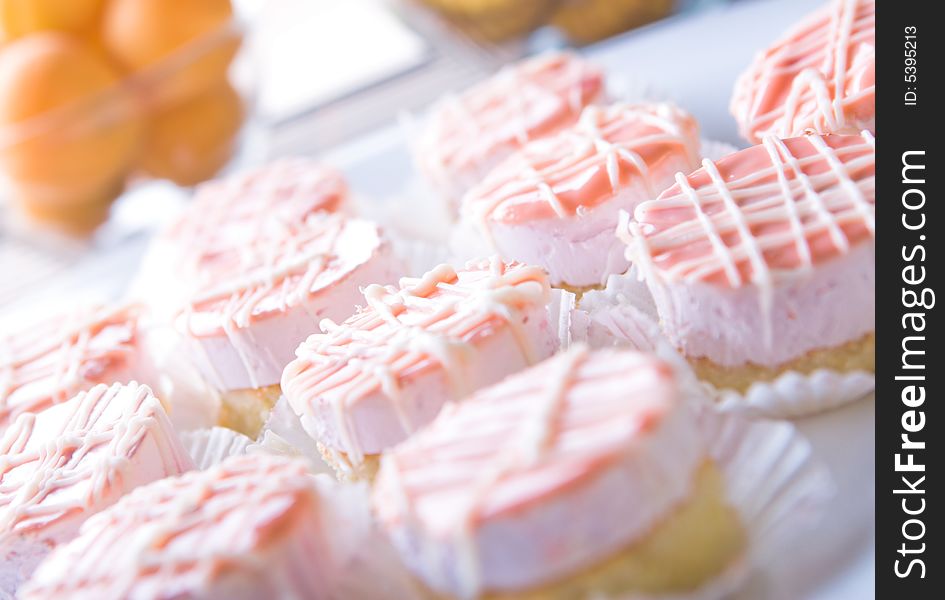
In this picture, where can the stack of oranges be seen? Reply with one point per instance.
(94, 91)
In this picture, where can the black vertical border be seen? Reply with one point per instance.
(903, 128)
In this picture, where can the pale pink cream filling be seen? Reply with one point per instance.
(826, 307)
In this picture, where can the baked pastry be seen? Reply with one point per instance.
(819, 77)
(494, 20)
(586, 21)
(763, 262)
(253, 304)
(601, 442)
(225, 213)
(468, 134)
(555, 203)
(246, 528)
(63, 464)
(367, 383)
(47, 361)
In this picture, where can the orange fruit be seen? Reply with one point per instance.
(21, 17)
(68, 130)
(192, 140)
(63, 210)
(184, 43)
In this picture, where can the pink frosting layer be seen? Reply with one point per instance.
(63, 464)
(596, 440)
(225, 213)
(49, 361)
(820, 76)
(760, 214)
(609, 150)
(246, 528)
(823, 308)
(556, 202)
(367, 383)
(469, 132)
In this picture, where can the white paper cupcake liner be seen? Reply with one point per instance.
(795, 394)
(772, 480)
(623, 314)
(283, 434)
(421, 255)
(208, 447)
(192, 404)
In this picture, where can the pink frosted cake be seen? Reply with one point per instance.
(224, 210)
(225, 213)
(49, 361)
(66, 463)
(369, 382)
(246, 528)
(555, 203)
(468, 134)
(763, 262)
(584, 476)
(253, 304)
(819, 77)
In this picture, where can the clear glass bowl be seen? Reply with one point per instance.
(180, 119)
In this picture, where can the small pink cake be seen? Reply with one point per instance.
(763, 262)
(225, 210)
(225, 214)
(369, 382)
(584, 476)
(246, 528)
(468, 134)
(50, 360)
(555, 203)
(63, 464)
(819, 77)
(253, 304)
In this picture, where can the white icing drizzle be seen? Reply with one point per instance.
(822, 90)
(232, 514)
(276, 270)
(225, 213)
(50, 361)
(611, 137)
(810, 195)
(508, 110)
(86, 444)
(434, 318)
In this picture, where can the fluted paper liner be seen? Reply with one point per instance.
(208, 447)
(623, 314)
